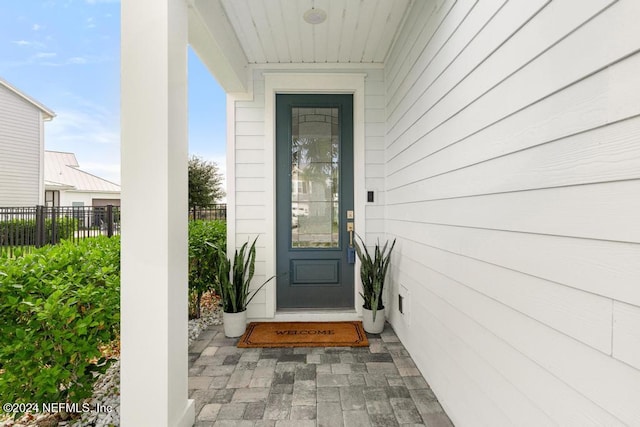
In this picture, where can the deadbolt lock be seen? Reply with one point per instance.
(349, 226)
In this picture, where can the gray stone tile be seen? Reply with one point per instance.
(395, 380)
(233, 423)
(305, 372)
(245, 395)
(302, 397)
(278, 407)
(219, 382)
(226, 350)
(232, 359)
(375, 357)
(328, 394)
(381, 368)
(250, 355)
(439, 419)
(414, 383)
(209, 412)
(376, 380)
(397, 392)
(304, 385)
(313, 358)
(356, 419)
(305, 412)
(201, 398)
(408, 372)
(347, 358)
(218, 371)
(200, 383)
(376, 407)
(196, 370)
(358, 368)
(356, 379)
(260, 382)
(208, 361)
(329, 358)
(404, 362)
(405, 410)
(375, 394)
(240, 379)
(282, 388)
(300, 358)
(352, 398)
(198, 346)
(379, 385)
(323, 369)
(283, 378)
(332, 380)
(267, 362)
(232, 411)
(254, 411)
(340, 368)
(264, 371)
(383, 420)
(223, 395)
(330, 414)
(295, 423)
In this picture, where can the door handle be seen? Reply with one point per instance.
(351, 250)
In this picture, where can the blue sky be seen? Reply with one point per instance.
(66, 55)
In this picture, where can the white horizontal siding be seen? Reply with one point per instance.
(512, 174)
(20, 151)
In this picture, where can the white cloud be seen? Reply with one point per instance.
(90, 23)
(22, 42)
(78, 60)
(36, 27)
(45, 55)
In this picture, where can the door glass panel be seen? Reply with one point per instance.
(315, 147)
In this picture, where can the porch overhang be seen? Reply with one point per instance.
(214, 40)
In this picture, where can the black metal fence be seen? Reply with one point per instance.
(209, 213)
(32, 227)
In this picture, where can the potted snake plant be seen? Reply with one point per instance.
(234, 278)
(373, 272)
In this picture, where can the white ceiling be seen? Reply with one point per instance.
(274, 31)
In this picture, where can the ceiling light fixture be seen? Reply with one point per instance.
(315, 16)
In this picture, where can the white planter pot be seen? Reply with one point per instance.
(367, 321)
(234, 323)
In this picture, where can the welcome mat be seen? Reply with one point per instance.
(304, 334)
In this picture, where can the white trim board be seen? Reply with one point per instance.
(276, 83)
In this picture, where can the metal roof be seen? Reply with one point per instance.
(62, 169)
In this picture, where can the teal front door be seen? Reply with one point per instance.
(314, 201)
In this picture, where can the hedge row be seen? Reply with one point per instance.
(22, 232)
(58, 304)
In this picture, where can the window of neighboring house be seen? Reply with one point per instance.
(52, 198)
(77, 203)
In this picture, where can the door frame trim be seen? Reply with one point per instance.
(311, 83)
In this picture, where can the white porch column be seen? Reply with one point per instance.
(154, 214)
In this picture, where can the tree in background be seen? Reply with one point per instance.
(205, 183)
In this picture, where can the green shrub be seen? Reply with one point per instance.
(22, 232)
(58, 304)
(203, 260)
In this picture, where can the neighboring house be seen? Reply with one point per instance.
(497, 141)
(21, 147)
(67, 185)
